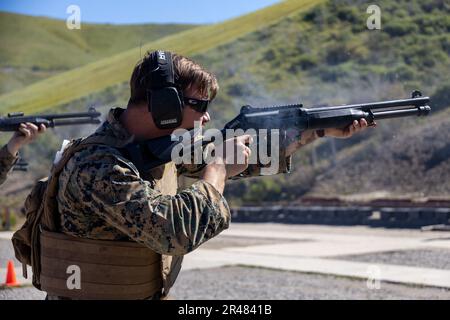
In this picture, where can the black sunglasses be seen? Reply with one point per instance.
(197, 104)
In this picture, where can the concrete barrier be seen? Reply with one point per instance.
(390, 217)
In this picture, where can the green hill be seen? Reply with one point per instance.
(35, 48)
(101, 74)
(327, 56)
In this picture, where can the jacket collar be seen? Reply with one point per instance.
(112, 132)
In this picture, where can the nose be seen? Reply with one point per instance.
(206, 118)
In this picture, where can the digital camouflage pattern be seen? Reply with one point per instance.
(7, 161)
(103, 196)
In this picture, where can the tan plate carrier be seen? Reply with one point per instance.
(108, 269)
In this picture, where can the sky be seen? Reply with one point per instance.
(138, 11)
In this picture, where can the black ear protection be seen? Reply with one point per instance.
(164, 99)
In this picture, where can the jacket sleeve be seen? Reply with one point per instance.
(172, 225)
(7, 161)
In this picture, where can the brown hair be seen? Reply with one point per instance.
(188, 74)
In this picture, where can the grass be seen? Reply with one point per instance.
(93, 77)
(36, 48)
(46, 44)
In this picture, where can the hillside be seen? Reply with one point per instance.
(416, 161)
(327, 56)
(317, 55)
(96, 76)
(35, 48)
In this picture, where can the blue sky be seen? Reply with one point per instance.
(139, 11)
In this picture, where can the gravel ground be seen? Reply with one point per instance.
(25, 293)
(425, 258)
(231, 283)
(255, 283)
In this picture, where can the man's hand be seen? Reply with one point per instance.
(228, 164)
(309, 136)
(27, 133)
(355, 127)
(236, 154)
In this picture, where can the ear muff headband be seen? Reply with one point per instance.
(164, 99)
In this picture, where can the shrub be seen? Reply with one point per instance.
(445, 43)
(441, 98)
(399, 28)
(269, 55)
(337, 53)
(263, 189)
(303, 62)
(330, 74)
(349, 14)
(314, 15)
(402, 73)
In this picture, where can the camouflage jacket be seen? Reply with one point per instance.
(103, 196)
(7, 161)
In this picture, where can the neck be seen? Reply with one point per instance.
(139, 122)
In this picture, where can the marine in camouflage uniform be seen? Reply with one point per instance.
(103, 196)
(7, 161)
